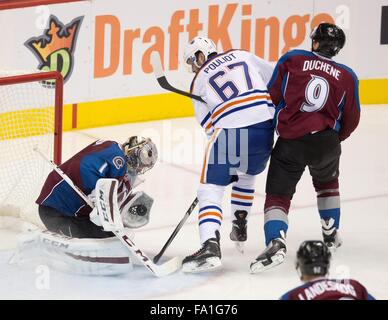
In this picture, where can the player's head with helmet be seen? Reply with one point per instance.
(198, 51)
(312, 259)
(141, 154)
(327, 39)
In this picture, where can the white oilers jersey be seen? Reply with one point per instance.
(234, 86)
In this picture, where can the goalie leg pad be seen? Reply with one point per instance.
(87, 256)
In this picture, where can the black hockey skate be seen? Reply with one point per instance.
(239, 230)
(207, 258)
(330, 235)
(272, 256)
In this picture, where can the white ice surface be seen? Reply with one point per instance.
(173, 183)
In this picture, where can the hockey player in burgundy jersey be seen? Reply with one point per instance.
(317, 107)
(63, 211)
(312, 264)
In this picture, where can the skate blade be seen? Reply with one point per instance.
(210, 265)
(239, 246)
(257, 266)
(333, 248)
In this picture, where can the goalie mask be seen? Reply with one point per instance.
(141, 154)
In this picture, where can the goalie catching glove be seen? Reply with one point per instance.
(133, 212)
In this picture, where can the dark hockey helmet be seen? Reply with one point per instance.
(141, 153)
(330, 37)
(313, 258)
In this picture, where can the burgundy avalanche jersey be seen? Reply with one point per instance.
(313, 93)
(101, 159)
(328, 289)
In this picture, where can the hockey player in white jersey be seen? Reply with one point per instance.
(237, 115)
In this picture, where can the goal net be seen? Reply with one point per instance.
(30, 117)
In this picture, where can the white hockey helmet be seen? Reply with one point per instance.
(202, 44)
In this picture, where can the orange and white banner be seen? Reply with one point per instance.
(103, 47)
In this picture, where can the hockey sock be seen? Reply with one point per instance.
(328, 199)
(210, 210)
(275, 217)
(242, 194)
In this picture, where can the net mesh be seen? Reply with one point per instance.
(27, 113)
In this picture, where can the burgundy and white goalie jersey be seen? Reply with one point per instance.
(313, 93)
(329, 289)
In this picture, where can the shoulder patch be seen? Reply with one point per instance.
(118, 162)
(99, 142)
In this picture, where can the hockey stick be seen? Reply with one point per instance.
(174, 233)
(158, 270)
(108, 207)
(162, 80)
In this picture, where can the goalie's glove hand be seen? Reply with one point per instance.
(140, 210)
(136, 212)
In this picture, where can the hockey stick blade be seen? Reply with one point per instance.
(162, 80)
(161, 270)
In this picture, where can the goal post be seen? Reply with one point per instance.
(30, 116)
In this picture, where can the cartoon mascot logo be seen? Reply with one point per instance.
(55, 48)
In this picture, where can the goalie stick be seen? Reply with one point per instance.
(174, 233)
(162, 80)
(124, 236)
